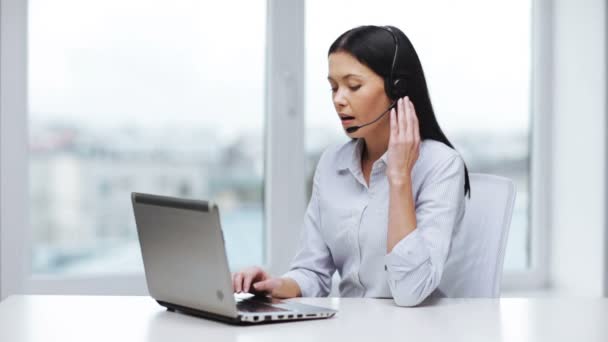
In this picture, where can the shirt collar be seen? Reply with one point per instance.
(350, 158)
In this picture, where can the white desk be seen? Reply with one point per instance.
(92, 318)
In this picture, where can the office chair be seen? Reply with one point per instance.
(476, 270)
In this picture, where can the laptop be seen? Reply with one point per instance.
(186, 266)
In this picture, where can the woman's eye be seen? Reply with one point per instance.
(354, 88)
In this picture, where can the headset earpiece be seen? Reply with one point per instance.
(395, 88)
(399, 89)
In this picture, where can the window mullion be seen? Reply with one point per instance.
(14, 235)
(285, 157)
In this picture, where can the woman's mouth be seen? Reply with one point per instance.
(346, 119)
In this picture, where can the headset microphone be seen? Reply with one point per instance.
(353, 129)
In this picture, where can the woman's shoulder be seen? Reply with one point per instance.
(435, 153)
(437, 150)
(438, 163)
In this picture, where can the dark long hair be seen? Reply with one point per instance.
(374, 47)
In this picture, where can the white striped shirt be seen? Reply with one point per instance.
(346, 222)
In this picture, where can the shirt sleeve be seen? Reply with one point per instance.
(312, 267)
(415, 265)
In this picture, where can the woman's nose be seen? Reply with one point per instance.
(339, 99)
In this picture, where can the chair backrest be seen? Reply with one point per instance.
(475, 262)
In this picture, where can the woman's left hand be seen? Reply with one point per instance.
(403, 143)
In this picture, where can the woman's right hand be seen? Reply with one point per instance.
(255, 280)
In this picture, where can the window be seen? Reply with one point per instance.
(476, 58)
(142, 99)
(157, 97)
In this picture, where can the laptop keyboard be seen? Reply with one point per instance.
(252, 306)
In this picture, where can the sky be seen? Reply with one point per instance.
(116, 62)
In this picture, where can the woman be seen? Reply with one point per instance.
(385, 204)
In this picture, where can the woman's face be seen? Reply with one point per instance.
(357, 93)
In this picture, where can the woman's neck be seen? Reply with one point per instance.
(375, 146)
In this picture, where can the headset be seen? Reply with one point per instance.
(395, 89)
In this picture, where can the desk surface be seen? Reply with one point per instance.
(108, 318)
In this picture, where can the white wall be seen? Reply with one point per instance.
(578, 230)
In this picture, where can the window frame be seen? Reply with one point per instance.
(285, 174)
(541, 86)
